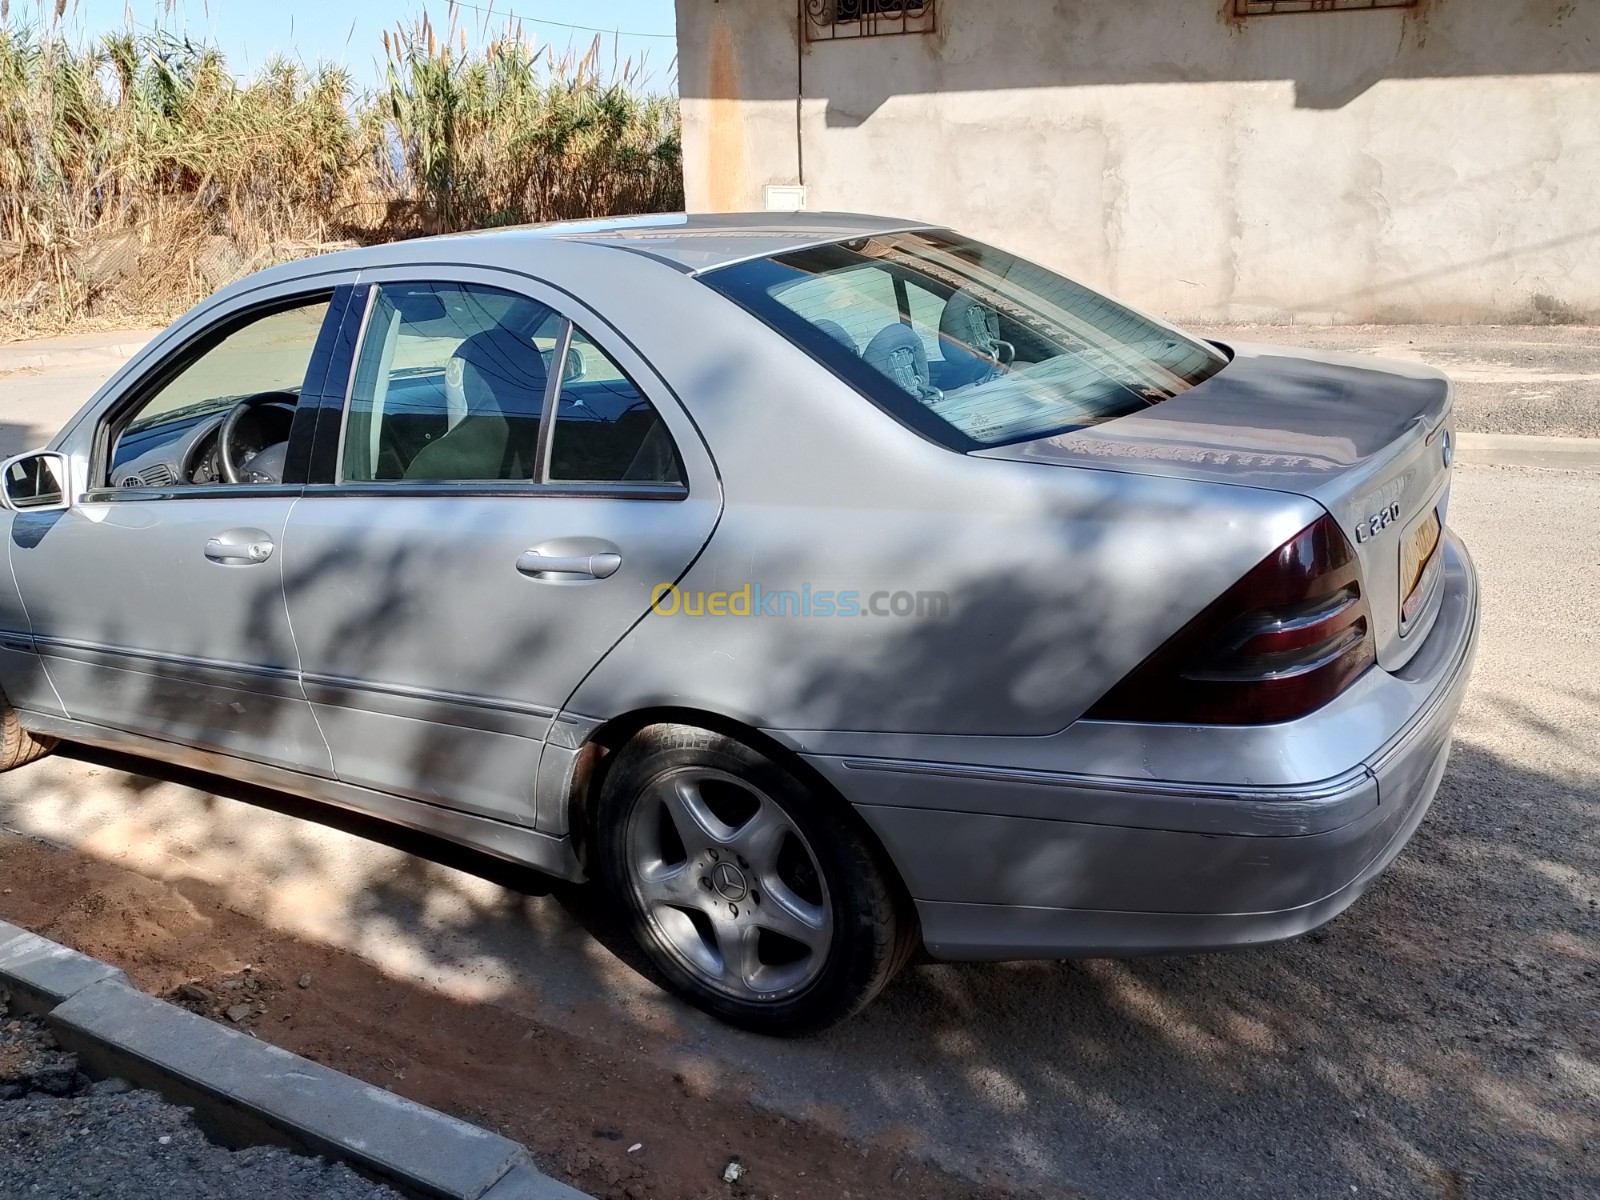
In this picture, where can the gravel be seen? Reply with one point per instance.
(63, 1135)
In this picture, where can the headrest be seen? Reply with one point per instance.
(496, 371)
(839, 334)
(898, 353)
(971, 323)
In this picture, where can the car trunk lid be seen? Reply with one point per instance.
(1367, 439)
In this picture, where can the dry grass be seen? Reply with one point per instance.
(137, 174)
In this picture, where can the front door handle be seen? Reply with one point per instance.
(255, 549)
(542, 564)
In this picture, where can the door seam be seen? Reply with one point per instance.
(27, 616)
(294, 640)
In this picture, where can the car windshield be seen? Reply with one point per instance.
(966, 343)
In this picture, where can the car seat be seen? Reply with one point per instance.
(495, 384)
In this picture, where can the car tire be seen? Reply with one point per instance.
(755, 898)
(17, 746)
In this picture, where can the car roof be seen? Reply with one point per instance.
(704, 241)
(689, 243)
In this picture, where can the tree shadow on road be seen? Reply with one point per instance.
(1433, 1040)
(16, 438)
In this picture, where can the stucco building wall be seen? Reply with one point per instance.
(1440, 163)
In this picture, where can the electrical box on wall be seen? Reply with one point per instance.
(785, 197)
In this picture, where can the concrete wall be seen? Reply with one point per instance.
(1434, 164)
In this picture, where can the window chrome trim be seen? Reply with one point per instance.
(502, 488)
(553, 379)
(192, 491)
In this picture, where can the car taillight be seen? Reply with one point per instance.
(1282, 642)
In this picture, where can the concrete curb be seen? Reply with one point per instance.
(1526, 450)
(40, 974)
(246, 1092)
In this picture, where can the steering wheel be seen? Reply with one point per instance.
(233, 464)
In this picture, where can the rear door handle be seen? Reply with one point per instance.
(253, 550)
(552, 567)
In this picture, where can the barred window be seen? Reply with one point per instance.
(1265, 8)
(838, 20)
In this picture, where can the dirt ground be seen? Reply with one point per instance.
(579, 1107)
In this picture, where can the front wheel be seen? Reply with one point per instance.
(17, 745)
(754, 898)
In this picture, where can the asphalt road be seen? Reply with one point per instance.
(1440, 1038)
(33, 410)
(1519, 379)
(60, 1135)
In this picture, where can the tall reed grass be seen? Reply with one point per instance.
(137, 173)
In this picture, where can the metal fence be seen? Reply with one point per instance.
(837, 20)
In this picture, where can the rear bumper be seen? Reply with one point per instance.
(1038, 864)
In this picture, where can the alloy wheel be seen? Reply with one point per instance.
(730, 884)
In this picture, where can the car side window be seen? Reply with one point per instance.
(606, 431)
(172, 437)
(449, 385)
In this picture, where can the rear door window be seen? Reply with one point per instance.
(606, 431)
(449, 385)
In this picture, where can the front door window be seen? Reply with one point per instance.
(174, 436)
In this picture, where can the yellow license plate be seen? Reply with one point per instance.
(1416, 552)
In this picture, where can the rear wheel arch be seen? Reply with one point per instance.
(602, 746)
(830, 923)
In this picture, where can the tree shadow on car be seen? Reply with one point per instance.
(1432, 1040)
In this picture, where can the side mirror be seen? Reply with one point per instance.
(577, 367)
(35, 482)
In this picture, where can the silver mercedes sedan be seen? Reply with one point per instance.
(827, 587)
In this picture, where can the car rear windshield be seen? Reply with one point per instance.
(965, 343)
